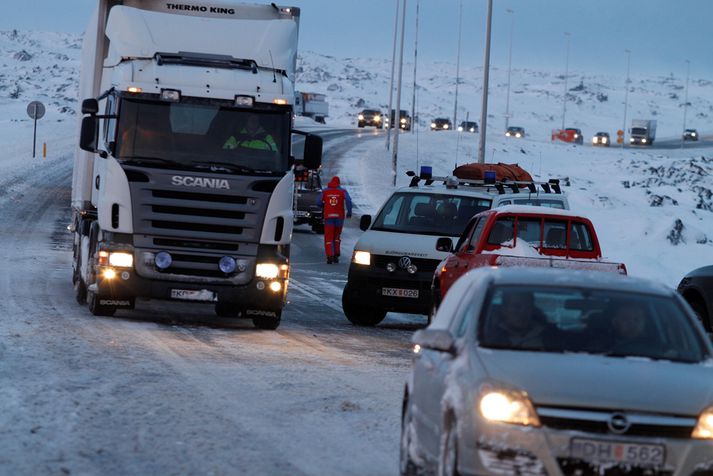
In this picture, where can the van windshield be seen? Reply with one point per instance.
(429, 213)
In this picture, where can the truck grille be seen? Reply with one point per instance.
(426, 265)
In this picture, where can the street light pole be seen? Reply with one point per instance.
(566, 73)
(685, 101)
(460, 29)
(414, 121)
(626, 94)
(486, 77)
(507, 101)
(397, 113)
(391, 85)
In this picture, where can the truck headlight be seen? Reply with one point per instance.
(267, 271)
(362, 257)
(121, 260)
(643, 141)
(506, 406)
(704, 428)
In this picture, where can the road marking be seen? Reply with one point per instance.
(308, 291)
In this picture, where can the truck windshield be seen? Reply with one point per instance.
(201, 134)
(638, 131)
(428, 213)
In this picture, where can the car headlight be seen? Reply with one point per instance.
(507, 134)
(693, 134)
(518, 135)
(460, 128)
(576, 136)
(403, 120)
(362, 257)
(360, 117)
(594, 140)
(121, 260)
(506, 406)
(704, 428)
(267, 271)
(433, 125)
(631, 139)
(643, 141)
(377, 118)
(604, 140)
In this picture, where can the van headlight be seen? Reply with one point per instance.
(121, 260)
(507, 406)
(362, 257)
(267, 271)
(704, 428)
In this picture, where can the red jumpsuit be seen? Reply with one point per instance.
(334, 201)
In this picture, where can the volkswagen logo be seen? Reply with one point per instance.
(619, 424)
(404, 262)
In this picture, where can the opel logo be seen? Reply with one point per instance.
(619, 424)
(404, 262)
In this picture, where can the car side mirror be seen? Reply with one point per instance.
(89, 133)
(90, 106)
(313, 152)
(444, 244)
(435, 339)
(365, 222)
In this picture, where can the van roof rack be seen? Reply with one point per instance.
(512, 186)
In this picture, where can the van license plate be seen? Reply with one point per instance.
(635, 454)
(401, 293)
(193, 295)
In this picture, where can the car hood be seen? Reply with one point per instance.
(400, 244)
(590, 381)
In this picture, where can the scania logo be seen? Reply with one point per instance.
(404, 262)
(204, 182)
(619, 424)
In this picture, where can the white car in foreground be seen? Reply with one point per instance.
(553, 372)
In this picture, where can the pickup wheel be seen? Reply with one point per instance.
(361, 315)
(407, 467)
(435, 302)
(227, 309)
(269, 323)
(98, 309)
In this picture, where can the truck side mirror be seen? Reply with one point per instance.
(313, 152)
(365, 222)
(90, 106)
(89, 134)
(444, 244)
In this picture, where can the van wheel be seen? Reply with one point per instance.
(361, 315)
(268, 323)
(97, 309)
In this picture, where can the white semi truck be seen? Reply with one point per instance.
(183, 181)
(642, 132)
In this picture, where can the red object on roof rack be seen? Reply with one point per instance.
(503, 172)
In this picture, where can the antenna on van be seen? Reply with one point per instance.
(274, 76)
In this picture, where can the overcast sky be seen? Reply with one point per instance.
(660, 33)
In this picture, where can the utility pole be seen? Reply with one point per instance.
(391, 85)
(566, 73)
(486, 77)
(685, 101)
(397, 113)
(507, 101)
(414, 121)
(626, 94)
(460, 30)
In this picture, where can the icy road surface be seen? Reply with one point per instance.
(170, 389)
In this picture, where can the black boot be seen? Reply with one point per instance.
(330, 260)
(335, 259)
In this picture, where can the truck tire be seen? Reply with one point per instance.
(361, 315)
(699, 307)
(80, 291)
(227, 309)
(268, 323)
(98, 309)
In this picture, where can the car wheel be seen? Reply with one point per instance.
(448, 458)
(227, 309)
(699, 307)
(407, 467)
(98, 309)
(361, 315)
(435, 302)
(268, 323)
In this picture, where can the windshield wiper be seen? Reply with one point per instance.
(140, 160)
(228, 167)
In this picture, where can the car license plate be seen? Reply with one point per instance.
(635, 454)
(401, 293)
(193, 295)
(299, 213)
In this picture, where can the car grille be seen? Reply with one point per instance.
(423, 265)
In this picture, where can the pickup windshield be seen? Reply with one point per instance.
(201, 134)
(429, 213)
(603, 322)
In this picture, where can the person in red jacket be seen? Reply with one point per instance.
(336, 203)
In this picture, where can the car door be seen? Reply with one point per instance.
(459, 262)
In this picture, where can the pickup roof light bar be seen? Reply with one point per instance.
(551, 186)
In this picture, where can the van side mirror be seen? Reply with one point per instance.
(313, 152)
(444, 244)
(365, 222)
(89, 134)
(90, 106)
(435, 339)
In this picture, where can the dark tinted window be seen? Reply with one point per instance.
(555, 235)
(502, 232)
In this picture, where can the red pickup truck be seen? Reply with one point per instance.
(521, 236)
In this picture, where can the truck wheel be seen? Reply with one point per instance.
(227, 309)
(80, 291)
(98, 309)
(268, 323)
(361, 315)
(318, 228)
(699, 308)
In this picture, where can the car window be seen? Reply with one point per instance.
(475, 238)
(580, 239)
(529, 230)
(390, 213)
(502, 232)
(555, 235)
(604, 322)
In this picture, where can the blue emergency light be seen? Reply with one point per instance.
(489, 176)
(426, 172)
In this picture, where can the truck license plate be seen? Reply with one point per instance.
(193, 295)
(635, 454)
(401, 293)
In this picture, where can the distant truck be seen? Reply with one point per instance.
(643, 132)
(313, 105)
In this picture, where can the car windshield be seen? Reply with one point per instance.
(429, 213)
(200, 134)
(370, 111)
(601, 322)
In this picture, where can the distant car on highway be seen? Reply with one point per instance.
(690, 134)
(468, 126)
(404, 120)
(601, 139)
(697, 289)
(514, 131)
(559, 372)
(576, 135)
(370, 117)
(441, 124)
